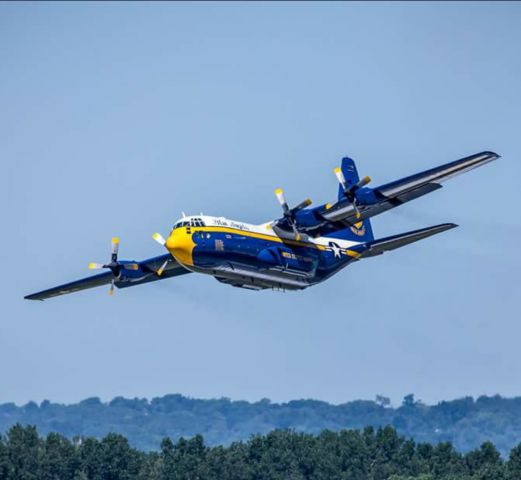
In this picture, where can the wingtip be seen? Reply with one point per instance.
(491, 154)
(32, 297)
(448, 226)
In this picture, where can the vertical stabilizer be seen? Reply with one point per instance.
(362, 231)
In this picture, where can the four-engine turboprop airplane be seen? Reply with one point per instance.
(302, 248)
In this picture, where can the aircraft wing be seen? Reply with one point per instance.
(386, 244)
(390, 195)
(146, 273)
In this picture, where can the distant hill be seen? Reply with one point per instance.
(465, 422)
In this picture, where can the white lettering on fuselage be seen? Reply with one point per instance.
(222, 222)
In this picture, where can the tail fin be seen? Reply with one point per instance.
(362, 231)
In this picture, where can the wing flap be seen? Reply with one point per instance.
(437, 174)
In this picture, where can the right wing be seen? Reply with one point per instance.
(146, 273)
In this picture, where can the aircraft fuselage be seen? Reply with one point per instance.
(253, 256)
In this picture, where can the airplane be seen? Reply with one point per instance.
(302, 248)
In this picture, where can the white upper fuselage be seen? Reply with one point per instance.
(263, 228)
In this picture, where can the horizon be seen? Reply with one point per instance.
(107, 401)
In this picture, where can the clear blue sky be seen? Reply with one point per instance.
(116, 117)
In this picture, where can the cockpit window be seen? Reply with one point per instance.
(193, 222)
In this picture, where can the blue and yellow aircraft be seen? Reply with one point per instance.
(302, 248)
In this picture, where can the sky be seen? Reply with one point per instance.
(115, 117)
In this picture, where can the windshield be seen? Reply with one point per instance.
(189, 222)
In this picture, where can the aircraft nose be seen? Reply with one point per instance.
(181, 245)
(170, 242)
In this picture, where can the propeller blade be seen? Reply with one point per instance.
(340, 177)
(357, 212)
(306, 203)
(111, 289)
(298, 236)
(131, 266)
(363, 182)
(115, 245)
(161, 269)
(282, 200)
(159, 239)
(95, 266)
(114, 249)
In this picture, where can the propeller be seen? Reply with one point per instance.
(113, 265)
(161, 269)
(289, 213)
(349, 191)
(160, 239)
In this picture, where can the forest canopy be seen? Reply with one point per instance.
(465, 422)
(348, 454)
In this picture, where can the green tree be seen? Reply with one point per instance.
(118, 460)
(513, 467)
(22, 453)
(57, 458)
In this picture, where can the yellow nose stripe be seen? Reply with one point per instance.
(181, 246)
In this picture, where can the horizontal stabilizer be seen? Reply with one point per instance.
(396, 241)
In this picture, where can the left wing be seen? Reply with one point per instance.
(148, 271)
(372, 201)
(357, 202)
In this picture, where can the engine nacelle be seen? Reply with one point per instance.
(130, 274)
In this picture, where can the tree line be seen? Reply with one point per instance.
(465, 422)
(368, 454)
